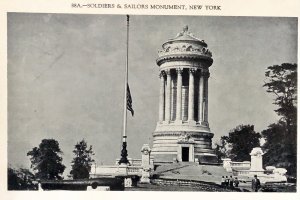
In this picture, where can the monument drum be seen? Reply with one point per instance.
(182, 132)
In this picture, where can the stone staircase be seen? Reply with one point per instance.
(170, 168)
(192, 171)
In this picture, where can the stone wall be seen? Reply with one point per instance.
(201, 186)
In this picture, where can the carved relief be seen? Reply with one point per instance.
(257, 151)
(191, 134)
(185, 138)
(183, 48)
(146, 149)
(189, 48)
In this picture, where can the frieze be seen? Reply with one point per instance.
(179, 57)
(178, 133)
(186, 139)
(184, 49)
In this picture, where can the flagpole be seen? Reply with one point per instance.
(124, 154)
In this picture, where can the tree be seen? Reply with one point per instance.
(82, 161)
(281, 138)
(20, 179)
(277, 152)
(222, 148)
(46, 160)
(241, 141)
(281, 80)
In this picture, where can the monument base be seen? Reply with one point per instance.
(183, 146)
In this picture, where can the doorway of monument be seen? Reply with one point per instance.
(185, 154)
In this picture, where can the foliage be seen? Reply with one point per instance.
(282, 82)
(280, 151)
(221, 149)
(241, 141)
(20, 179)
(82, 161)
(281, 138)
(46, 160)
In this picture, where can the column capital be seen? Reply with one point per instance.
(192, 70)
(161, 74)
(168, 72)
(205, 74)
(179, 70)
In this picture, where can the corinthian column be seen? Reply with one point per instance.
(161, 97)
(191, 96)
(200, 100)
(168, 96)
(179, 95)
(206, 97)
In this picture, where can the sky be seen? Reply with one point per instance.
(66, 77)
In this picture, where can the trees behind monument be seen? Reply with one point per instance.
(280, 145)
(46, 160)
(81, 164)
(20, 179)
(239, 143)
(281, 137)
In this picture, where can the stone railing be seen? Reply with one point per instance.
(134, 170)
(117, 170)
(136, 162)
(240, 165)
(240, 172)
(132, 162)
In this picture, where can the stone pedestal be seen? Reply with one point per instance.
(227, 164)
(146, 164)
(256, 160)
(128, 182)
(145, 176)
(40, 187)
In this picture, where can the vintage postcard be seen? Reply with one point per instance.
(155, 99)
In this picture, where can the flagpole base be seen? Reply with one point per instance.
(124, 155)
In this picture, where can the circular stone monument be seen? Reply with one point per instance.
(182, 133)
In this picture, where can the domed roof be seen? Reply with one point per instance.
(184, 46)
(186, 36)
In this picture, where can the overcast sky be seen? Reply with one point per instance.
(66, 77)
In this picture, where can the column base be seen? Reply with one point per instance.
(145, 176)
(203, 123)
(178, 121)
(192, 122)
(166, 122)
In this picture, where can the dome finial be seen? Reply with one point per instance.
(185, 29)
